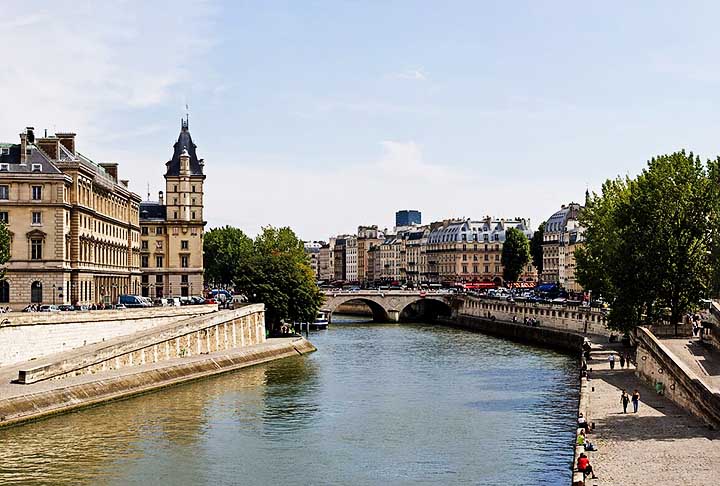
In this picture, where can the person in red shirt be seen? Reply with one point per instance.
(583, 465)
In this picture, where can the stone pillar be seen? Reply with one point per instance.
(393, 315)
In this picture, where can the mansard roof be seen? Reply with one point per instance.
(184, 142)
(152, 211)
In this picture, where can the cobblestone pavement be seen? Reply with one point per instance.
(660, 445)
(704, 361)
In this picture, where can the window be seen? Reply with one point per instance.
(184, 261)
(5, 192)
(144, 245)
(193, 188)
(145, 278)
(5, 151)
(497, 268)
(159, 261)
(175, 188)
(193, 215)
(184, 244)
(193, 201)
(36, 249)
(4, 167)
(487, 257)
(159, 279)
(36, 168)
(37, 193)
(184, 279)
(159, 230)
(4, 292)
(175, 201)
(464, 269)
(144, 231)
(36, 296)
(36, 217)
(175, 215)
(4, 217)
(144, 261)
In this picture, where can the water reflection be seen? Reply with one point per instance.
(378, 404)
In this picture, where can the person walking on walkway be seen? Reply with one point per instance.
(635, 400)
(622, 361)
(611, 358)
(625, 400)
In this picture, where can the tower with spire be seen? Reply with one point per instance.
(172, 227)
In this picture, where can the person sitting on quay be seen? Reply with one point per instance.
(582, 440)
(583, 424)
(583, 465)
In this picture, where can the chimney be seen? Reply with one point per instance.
(23, 148)
(111, 169)
(49, 146)
(161, 198)
(30, 134)
(67, 140)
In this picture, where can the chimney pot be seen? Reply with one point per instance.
(161, 198)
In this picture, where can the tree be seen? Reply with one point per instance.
(277, 273)
(4, 247)
(515, 254)
(536, 249)
(649, 241)
(223, 250)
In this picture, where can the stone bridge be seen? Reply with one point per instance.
(389, 306)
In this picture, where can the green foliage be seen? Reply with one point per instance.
(272, 269)
(515, 254)
(223, 250)
(536, 249)
(649, 241)
(4, 247)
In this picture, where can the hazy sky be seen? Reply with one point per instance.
(327, 115)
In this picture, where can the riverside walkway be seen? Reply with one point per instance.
(660, 445)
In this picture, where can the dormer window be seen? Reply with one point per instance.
(5, 151)
(37, 167)
(4, 167)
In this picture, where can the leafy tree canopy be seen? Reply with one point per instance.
(649, 241)
(4, 247)
(536, 249)
(515, 254)
(272, 269)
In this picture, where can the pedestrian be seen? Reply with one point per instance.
(625, 400)
(611, 358)
(582, 423)
(622, 361)
(635, 400)
(583, 465)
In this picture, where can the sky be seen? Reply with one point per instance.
(326, 115)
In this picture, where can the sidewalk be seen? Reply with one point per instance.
(661, 445)
(700, 358)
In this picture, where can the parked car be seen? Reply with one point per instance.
(66, 307)
(49, 308)
(134, 301)
(81, 308)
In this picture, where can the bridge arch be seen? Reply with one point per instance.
(392, 306)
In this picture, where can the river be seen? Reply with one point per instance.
(377, 404)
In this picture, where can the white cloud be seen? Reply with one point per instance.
(70, 64)
(414, 74)
(319, 202)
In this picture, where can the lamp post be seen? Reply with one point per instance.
(53, 289)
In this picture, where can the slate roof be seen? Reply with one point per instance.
(151, 210)
(184, 142)
(36, 156)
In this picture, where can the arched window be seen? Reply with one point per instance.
(36, 296)
(5, 292)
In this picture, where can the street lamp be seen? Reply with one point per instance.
(53, 289)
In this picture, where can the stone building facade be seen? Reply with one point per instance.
(172, 228)
(562, 235)
(74, 226)
(470, 251)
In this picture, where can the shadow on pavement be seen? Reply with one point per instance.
(673, 424)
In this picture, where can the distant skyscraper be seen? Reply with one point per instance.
(407, 217)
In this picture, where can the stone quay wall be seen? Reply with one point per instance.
(44, 403)
(656, 364)
(219, 331)
(26, 336)
(542, 336)
(556, 316)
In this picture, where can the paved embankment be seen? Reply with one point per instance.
(20, 402)
(700, 357)
(660, 445)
